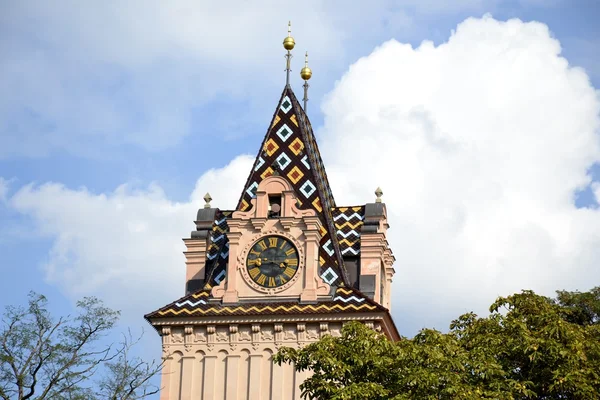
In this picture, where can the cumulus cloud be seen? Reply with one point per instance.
(479, 145)
(123, 246)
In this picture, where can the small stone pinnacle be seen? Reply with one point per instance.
(378, 193)
(207, 199)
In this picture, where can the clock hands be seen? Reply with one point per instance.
(282, 264)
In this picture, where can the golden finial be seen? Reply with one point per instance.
(306, 72)
(288, 42)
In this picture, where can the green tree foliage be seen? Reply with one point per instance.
(529, 347)
(581, 308)
(42, 357)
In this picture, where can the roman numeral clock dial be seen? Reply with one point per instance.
(272, 261)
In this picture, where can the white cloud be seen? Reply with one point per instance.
(124, 246)
(479, 145)
(83, 77)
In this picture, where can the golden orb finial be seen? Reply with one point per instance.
(288, 42)
(306, 72)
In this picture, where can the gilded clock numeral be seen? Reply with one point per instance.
(289, 272)
(253, 262)
(282, 279)
(272, 282)
(261, 279)
(293, 262)
(256, 253)
(273, 242)
(254, 272)
(283, 243)
(262, 245)
(290, 252)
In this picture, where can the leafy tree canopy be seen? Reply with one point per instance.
(529, 347)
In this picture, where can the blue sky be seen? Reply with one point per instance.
(116, 118)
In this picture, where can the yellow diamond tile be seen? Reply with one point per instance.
(317, 205)
(295, 175)
(244, 205)
(296, 146)
(323, 231)
(270, 147)
(293, 119)
(321, 261)
(268, 172)
(276, 120)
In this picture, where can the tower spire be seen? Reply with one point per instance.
(288, 44)
(305, 74)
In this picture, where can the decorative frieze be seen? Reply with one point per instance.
(200, 334)
(233, 336)
(177, 336)
(312, 332)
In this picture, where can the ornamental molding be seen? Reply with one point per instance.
(234, 336)
(379, 316)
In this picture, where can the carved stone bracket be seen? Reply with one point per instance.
(188, 337)
(210, 333)
(233, 336)
(278, 328)
(301, 328)
(166, 334)
(255, 336)
(324, 328)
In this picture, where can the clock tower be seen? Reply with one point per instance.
(284, 268)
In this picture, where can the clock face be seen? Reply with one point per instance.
(272, 261)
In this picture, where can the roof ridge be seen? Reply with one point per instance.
(260, 149)
(327, 200)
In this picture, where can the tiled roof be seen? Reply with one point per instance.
(348, 223)
(345, 300)
(290, 148)
(218, 249)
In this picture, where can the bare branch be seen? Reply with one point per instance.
(59, 359)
